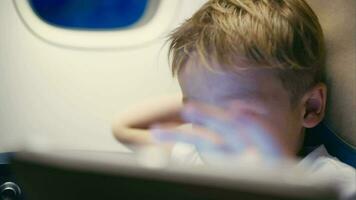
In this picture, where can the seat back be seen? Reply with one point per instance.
(338, 20)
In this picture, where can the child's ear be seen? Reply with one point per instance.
(313, 105)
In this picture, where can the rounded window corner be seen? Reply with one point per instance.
(154, 22)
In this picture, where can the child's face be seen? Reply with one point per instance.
(253, 91)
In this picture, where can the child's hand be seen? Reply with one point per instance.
(222, 132)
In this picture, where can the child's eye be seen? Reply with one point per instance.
(184, 100)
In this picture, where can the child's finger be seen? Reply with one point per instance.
(204, 139)
(196, 132)
(200, 109)
(260, 134)
(205, 117)
(237, 133)
(203, 144)
(263, 141)
(221, 124)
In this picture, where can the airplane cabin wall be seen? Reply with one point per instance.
(67, 98)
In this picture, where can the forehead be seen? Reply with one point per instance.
(213, 86)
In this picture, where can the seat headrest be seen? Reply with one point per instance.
(338, 20)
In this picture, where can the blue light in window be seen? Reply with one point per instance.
(90, 14)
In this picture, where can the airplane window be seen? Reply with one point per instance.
(90, 14)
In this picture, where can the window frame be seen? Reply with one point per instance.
(145, 31)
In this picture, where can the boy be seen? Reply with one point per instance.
(249, 70)
(264, 58)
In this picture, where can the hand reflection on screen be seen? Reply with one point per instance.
(222, 132)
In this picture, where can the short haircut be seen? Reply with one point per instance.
(284, 35)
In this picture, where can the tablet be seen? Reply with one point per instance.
(71, 174)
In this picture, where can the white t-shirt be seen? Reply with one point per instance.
(318, 164)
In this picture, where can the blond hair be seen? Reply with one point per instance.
(281, 34)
